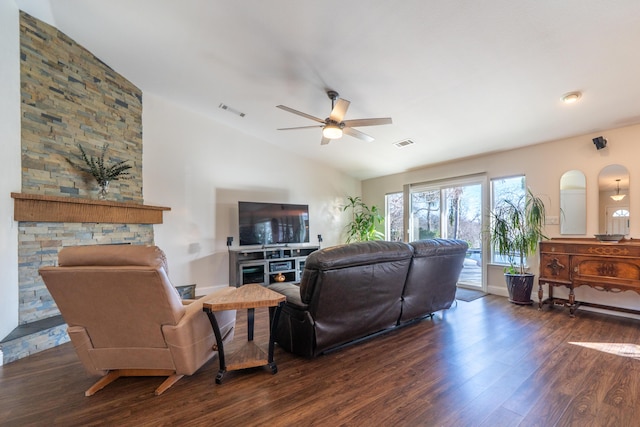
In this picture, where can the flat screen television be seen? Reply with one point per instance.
(272, 223)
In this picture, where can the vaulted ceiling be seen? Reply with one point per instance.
(459, 78)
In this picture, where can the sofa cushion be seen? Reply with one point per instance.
(433, 276)
(349, 255)
(438, 247)
(354, 290)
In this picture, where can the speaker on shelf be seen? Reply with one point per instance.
(600, 142)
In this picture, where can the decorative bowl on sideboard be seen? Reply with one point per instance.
(609, 237)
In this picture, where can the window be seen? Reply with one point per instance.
(394, 217)
(451, 209)
(511, 189)
(621, 213)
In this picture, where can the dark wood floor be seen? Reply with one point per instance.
(482, 363)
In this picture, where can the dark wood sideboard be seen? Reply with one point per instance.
(604, 266)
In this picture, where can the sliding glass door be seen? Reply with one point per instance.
(451, 210)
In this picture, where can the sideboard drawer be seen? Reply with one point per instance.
(554, 266)
(602, 268)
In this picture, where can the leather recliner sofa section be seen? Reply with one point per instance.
(354, 291)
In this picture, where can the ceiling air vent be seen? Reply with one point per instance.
(403, 143)
(231, 110)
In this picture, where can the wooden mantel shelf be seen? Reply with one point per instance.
(40, 208)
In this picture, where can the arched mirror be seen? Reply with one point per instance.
(613, 204)
(573, 203)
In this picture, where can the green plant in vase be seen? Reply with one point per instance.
(364, 220)
(96, 167)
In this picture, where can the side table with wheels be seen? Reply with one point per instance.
(250, 297)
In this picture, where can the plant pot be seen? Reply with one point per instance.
(520, 287)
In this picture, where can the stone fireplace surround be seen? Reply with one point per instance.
(69, 97)
(48, 223)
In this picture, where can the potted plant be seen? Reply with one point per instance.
(364, 220)
(516, 228)
(95, 166)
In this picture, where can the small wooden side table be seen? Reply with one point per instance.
(250, 297)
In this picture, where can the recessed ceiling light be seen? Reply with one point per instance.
(571, 97)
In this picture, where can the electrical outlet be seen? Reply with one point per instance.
(551, 220)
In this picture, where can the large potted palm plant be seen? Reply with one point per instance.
(364, 221)
(515, 230)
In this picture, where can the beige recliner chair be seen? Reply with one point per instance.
(126, 319)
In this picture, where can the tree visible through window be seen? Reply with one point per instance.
(394, 216)
(511, 189)
(425, 210)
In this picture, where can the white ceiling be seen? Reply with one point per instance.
(459, 78)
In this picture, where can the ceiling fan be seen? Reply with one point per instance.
(334, 126)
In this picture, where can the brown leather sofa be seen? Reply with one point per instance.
(355, 291)
(126, 319)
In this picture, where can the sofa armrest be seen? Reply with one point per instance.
(292, 292)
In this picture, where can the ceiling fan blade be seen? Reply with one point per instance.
(368, 122)
(299, 113)
(339, 110)
(324, 141)
(357, 134)
(302, 127)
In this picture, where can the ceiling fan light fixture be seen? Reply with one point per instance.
(332, 131)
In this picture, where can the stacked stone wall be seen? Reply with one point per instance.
(38, 245)
(70, 97)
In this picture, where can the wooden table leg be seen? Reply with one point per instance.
(272, 334)
(572, 302)
(540, 294)
(219, 344)
(251, 314)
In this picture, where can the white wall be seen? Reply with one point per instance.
(10, 165)
(543, 166)
(201, 169)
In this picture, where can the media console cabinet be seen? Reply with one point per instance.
(604, 266)
(267, 265)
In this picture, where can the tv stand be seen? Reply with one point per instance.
(267, 264)
(276, 245)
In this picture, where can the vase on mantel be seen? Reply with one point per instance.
(104, 190)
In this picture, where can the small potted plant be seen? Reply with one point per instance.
(95, 166)
(515, 230)
(364, 220)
